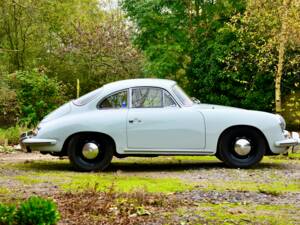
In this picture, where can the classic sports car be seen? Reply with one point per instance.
(151, 117)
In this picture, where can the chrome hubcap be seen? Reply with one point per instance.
(90, 150)
(242, 147)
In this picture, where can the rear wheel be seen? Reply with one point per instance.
(90, 152)
(242, 147)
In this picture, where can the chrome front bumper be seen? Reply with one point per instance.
(292, 139)
(27, 140)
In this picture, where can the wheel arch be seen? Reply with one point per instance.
(99, 134)
(268, 150)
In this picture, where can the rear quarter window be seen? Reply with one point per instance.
(83, 100)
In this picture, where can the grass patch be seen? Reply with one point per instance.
(25, 179)
(294, 156)
(11, 135)
(4, 191)
(272, 188)
(291, 157)
(60, 173)
(6, 149)
(124, 183)
(136, 173)
(228, 213)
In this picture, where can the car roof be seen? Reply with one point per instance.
(123, 84)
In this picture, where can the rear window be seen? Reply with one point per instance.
(87, 97)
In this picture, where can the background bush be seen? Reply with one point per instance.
(11, 134)
(9, 108)
(37, 95)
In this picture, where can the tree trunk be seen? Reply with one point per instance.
(281, 55)
(278, 77)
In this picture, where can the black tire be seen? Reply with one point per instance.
(227, 150)
(218, 156)
(80, 162)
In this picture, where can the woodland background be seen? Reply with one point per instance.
(231, 52)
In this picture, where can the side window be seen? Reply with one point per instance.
(118, 100)
(147, 97)
(168, 100)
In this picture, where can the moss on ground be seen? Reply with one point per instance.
(229, 213)
(59, 172)
(125, 183)
(274, 188)
(103, 182)
(36, 172)
(4, 190)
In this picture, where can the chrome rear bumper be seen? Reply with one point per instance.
(292, 139)
(27, 140)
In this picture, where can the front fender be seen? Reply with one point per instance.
(218, 120)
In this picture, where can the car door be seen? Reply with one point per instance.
(155, 121)
(113, 116)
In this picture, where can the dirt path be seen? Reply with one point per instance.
(22, 157)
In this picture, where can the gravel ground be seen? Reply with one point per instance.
(213, 184)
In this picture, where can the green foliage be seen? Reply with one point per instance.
(291, 110)
(7, 213)
(9, 108)
(37, 211)
(71, 39)
(11, 134)
(37, 94)
(34, 211)
(163, 36)
(223, 52)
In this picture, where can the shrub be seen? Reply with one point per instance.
(11, 134)
(37, 94)
(37, 211)
(9, 108)
(7, 214)
(291, 111)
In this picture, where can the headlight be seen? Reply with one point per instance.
(36, 130)
(281, 122)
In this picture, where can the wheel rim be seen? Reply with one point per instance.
(242, 147)
(90, 150)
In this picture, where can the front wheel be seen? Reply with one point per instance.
(242, 147)
(90, 152)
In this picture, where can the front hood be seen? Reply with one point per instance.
(238, 112)
(211, 106)
(59, 112)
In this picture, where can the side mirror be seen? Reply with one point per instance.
(195, 100)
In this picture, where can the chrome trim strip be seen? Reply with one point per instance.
(33, 141)
(161, 152)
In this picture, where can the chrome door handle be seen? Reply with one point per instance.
(135, 120)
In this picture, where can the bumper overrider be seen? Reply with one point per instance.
(27, 140)
(291, 139)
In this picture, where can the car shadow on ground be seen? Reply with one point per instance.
(64, 165)
(180, 166)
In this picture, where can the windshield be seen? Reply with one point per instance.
(87, 97)
(182, 96)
